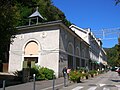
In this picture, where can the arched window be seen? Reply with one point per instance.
(31, 48)
(70, 48)
(83, 52)
(77, 51)
(70, 55)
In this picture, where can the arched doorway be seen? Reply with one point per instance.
(31, 54)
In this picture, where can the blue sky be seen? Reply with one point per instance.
(94, 14)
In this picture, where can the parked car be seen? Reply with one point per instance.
(114, 68)
(118, 70)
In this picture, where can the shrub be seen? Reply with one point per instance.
(92, 73)
(75, 76)
(42, 73)
(48, 73)
(86, 75)
(34, 70)
(81, 69)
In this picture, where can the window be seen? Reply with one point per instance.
(77, 51)
(70, 57)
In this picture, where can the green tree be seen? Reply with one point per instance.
(118, 46)
(7, 26)
(118, 53)
(117, 1)
(16, 12)
(46, 9)
(111, 55)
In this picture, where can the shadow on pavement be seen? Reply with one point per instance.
(115, 80)
(9, 80)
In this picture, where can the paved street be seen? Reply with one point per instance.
(107, 81)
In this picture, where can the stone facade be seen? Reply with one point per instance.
(52, 45)
(96, 52)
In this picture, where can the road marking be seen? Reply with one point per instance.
(92, 88)
(77, 88)
(118, 86)
(106, 88)
(52, 87)
(102, 85)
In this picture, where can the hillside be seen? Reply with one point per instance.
(111, 55)
(46, 8)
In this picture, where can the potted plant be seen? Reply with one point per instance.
(75, 76)
(86, 75)
(91, 73)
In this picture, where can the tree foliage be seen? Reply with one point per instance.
(46, 9)
(113, 55)
(16, 12)
(7, 25)
(118, 53)
(117, 1)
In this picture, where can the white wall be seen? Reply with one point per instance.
(48, 41)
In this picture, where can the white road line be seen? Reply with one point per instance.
(77, 88)
(92, 88)
(106, 88)
(118, 86)
(102, 85)
(52, 87)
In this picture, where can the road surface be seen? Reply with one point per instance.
(107, 81)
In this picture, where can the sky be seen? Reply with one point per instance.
(99, 15)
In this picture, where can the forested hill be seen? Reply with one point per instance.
(46, 8)
(111, 55)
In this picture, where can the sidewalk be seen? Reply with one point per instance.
(48, 84)
(40, 85)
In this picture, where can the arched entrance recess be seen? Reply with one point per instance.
(31, 53)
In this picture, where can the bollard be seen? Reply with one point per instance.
(65, 79)
(3, 84)
(33, 81)
(53, 81)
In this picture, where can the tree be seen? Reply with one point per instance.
(16, 12)
(7, 26)
(118, 53)
(111, 55)
(117, 1)
(46, 9)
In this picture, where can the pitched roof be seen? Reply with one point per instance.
(36, 14)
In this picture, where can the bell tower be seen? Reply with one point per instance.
(36, 16)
